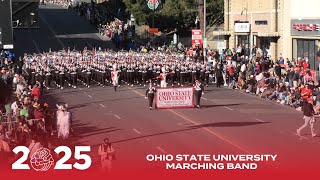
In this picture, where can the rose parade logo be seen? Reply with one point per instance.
(42, 160)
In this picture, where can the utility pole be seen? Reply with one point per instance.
(204, 28)
(201, 13)
(202, 19)
(154, 5)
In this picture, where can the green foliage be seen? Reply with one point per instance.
(138, 9)
(215, 12)
(175, 15)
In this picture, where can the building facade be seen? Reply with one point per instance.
(285, 28)
(304, 30)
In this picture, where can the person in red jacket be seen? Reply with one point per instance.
(306, 92)
(35, 92)
(306, 64)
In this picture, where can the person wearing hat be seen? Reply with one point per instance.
(63, 121)
(308, 116)
(163, 77)
(115, 74)
(107, 153)
(198, 91)
(150, 94)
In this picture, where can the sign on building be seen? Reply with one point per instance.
(181, 97)
(196, 37)
(305, 27)
(242, 27)
(153, 30)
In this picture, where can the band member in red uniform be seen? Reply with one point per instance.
(163, 77)
(198, 91)
(150, 94)
(115, 74)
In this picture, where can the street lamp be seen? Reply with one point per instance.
(249, 35)
(245, 9)
(205, 28)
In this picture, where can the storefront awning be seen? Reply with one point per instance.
(221, 33)
(271, 34)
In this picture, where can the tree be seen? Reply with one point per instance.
(215, 12)
(175, 15)
(138, 9)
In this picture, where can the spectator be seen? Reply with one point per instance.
(36, 92)
(34, 145)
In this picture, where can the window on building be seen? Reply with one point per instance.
(306, 49)
(261, 22)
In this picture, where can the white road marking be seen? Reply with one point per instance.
(35, 44)
(204, 98)
(161, 150)
(228, 108)
(89, 96)
(300, 136)
(117, 116)
(259, 120)
(102, 105)
(138, 132)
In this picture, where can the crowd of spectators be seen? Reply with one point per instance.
(121, 33)
(24, 118)
(63, 3)
(285, 81)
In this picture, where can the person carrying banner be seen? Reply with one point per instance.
(198, 91)
(150, 94)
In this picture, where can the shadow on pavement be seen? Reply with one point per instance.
(217, 89)
(218, 105)
(219, 124)
(229, 124)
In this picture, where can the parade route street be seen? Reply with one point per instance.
(229, 121)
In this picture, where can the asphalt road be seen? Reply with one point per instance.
(59, 29)
(229, 122)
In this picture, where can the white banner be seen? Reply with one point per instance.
(242, 27)
(181, 97)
